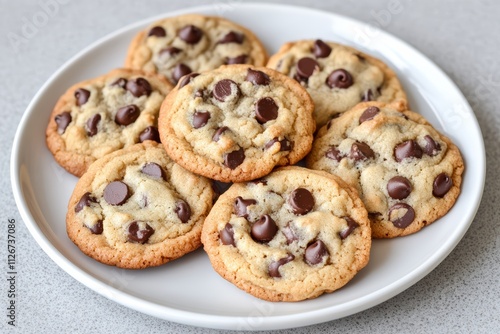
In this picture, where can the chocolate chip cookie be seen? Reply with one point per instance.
(99, 116)
(236, 123)
(407, 173)
(136, 208)
(179, 45)
(337, 76)
(290, 236)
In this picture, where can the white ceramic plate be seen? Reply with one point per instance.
(188, 290)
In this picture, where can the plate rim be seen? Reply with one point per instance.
(223, 321)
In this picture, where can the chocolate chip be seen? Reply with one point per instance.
(232, 37)
(157, 31)
(127, 115)
(367, 96)
(120, 82)
(91, 125)
(183, 211)
(401, 215)
(136, 234)
(274, 266)
(152, 169)
(442, 184)
(258, 77)
(289, 234)
(200, 119)
(170, 51)
(224, 88)
(190, 34)
(399, 187)
(187, 79)
(334, 154)
(368, 114)
(321, 49)
(240, 206)
(431, 146)
(139, 87)
(241, 59)
(301, 200)
(351, 226)
(361, 151)
(116, 193)
(264, 229)
(374, 215)
(179, 71)
(149, 133)
(306, 67)
(144, 201)
(62, 121)
(84, 201)
(407, 149)
(339, 79)
(82, 96)
(266, 110)
(97, 228)
(315, 252)
(219, 133)
(285, 144)
(234, 159)
(226, 235)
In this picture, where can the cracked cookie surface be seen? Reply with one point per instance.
(136, 208)
(236, 123)
(179, 45)
(292, 235)
(407, 173)
(337, 76)
(99, 116)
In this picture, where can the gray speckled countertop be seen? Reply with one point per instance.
(462, 295)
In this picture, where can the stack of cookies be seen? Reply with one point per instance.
(199, 105)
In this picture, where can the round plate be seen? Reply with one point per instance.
(188, 290)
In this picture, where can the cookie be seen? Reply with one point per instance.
(179, 45)
(99, 116)
(407, 173)
(236, 123)
(136, 208)
(337, 76)
(290, 236)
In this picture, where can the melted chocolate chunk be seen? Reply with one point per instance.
(91, 125)
(116, 193)
(120, 82)
(226, 235)
(351, 226)
(442, 184)
(149, 133)
(170, 51)
(266, 110)
(187, 79)
(219, 133)
(85, 200)
(258, 77)
(399, 187)
(179, 71)
(157, 31)
(240, 206)
(407, 149)
(139, 87)
(368, 114)
(274, 266)
(127, 115)
(339, 79)
(190, 34)
(241, 59)
(306, 67)
(183, 211)
(152, 169)
(82, 96)
(136, 234)
(301, 200)
(431, 146)
(200, 119)
(234, 159)
(97, 228)
(224, 88)
(321, 49)
(401, 215)
(289, 234)
(232, 37)
(264, 229)
(285, 144)
(360, 152)
(315, 252)
(62, 121)
(334, 154)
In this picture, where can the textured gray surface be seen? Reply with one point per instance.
(462, 295)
